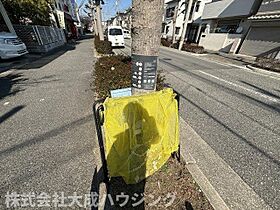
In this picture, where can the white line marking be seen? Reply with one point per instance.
(262, 74)
(5, 73)
(241, 87)
(231, 65)
(6, 103)
(225, 64)
(240, 67)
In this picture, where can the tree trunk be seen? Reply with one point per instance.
(93, 19)
(146, 35)
(186, 23)
(99, 22)
(174, 24)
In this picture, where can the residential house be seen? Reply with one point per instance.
(263, 37)
(226, 23)
(123, 19)
(67, 16)
(175, 13)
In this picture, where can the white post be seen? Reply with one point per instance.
(6, 19)
(198, 33)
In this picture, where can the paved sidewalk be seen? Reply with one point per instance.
(47, 132)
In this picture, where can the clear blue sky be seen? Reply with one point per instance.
(109, 8)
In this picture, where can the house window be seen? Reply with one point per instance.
(177, 30)
(197, 6)
(163, 27)
(170, 12)
(227, 26)
(192, 11)
(166, 29)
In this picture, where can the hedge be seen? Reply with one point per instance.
(103, 47)
(268, 63)
(189, 47)
(114, 72)
(194, 48)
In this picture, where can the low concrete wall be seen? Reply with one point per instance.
(220, 42)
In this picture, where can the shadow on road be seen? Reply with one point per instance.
(273, 107)
(35, 61)
(55, 161)
(249, 143)
(10, 113)
(43, 137)
(13, 83)
(118, 194)
(261, 90)
(47, 58)
(8, 81)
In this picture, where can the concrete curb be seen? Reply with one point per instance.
(238, 57)
(95, 53)
(264, 71)
(220, 183)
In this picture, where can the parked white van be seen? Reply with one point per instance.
(11, 46)
(127, 34)
(116, 36)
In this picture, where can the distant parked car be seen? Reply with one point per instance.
(11, 46)
(126, 34)
(115, 35)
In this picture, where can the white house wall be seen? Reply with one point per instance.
(197, 15)
(220, 41)
(196, 18)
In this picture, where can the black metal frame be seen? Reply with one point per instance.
(97, 109)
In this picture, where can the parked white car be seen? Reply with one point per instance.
(116, 36)
(127, 34)
(11, 46)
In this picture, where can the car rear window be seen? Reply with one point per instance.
(115, 31)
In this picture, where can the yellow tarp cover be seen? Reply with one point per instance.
(141, 132)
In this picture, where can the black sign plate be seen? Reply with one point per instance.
(144, 70)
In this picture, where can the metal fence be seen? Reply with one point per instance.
(40, 39)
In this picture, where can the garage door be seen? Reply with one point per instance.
(261, 41)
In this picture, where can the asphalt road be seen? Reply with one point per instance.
(47, 136)
(235, 110)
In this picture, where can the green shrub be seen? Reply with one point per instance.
(114, 72)
(165, 42)
(103, 47)
(175, 45)
(194, 48)
(268, 63)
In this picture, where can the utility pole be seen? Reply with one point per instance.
(188, 13)
(94, 20)
(7, 19)
(174, 23)
(146, 34)
(99, 20)
(91, 14)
